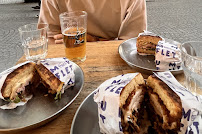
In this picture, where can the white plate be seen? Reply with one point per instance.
(40, 109)
(145, 63)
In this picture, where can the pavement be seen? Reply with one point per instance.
(180, 20)
(12, 16)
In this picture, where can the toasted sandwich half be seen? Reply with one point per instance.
(49, 80)
(18, 83)
(164, 106)
(131, 104)
(146, 44)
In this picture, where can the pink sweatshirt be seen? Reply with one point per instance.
(108, 19)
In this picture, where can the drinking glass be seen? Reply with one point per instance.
(34, 41)
(192, 65)
(73, 27)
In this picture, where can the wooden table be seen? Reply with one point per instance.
(102, 62)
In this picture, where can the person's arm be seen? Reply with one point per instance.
(134, 19)
(49, 13)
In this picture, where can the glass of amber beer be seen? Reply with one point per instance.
(73, 27)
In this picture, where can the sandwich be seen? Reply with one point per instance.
(49, 80)
(146, 44)
(25, 79)
(141, 108)
(132, 104)
(20, 83)
(164, 106)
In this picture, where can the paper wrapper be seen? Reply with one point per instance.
(167, 57)
(191, 121)
(107, 98)
(62, 68)
(3, 77)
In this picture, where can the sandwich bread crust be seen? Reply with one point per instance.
(49, 80)
(146, 44)
(164, 106)
(17, 80)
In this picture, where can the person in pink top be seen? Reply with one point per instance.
(107, 19)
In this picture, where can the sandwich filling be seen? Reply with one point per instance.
(14, 87)
(49, 80)
(131, 111)
(18, 91)
(131, 99)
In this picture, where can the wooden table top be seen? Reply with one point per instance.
(102, 62)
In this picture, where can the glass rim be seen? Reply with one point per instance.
(188, 55)
(84, 13)
(27, 25)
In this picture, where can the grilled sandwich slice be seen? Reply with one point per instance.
(146, 44)
(17, 83)
(131, 104)
(48, 79)
(164, 106)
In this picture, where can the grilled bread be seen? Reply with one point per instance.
(49, 80)
(131, 99)
(164, 106)
(146, 44)
(15, 83)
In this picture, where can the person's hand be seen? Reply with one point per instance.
(58, 38)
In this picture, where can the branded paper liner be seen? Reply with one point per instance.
(62, 68)
(107, 99)
(191, 121)
(167, 57)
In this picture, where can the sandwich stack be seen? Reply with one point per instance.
(126, 104)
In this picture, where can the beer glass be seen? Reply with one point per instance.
(73, 27)
(34, 40)
(192, 65)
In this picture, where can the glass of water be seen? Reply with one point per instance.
(192, 65)
(34, 41)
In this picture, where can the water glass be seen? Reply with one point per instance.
(73, 27)
(34, 41)
(192, 65)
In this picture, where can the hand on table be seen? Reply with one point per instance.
(59, 39)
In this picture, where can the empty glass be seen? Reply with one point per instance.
(34, 40)
(192, 65)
